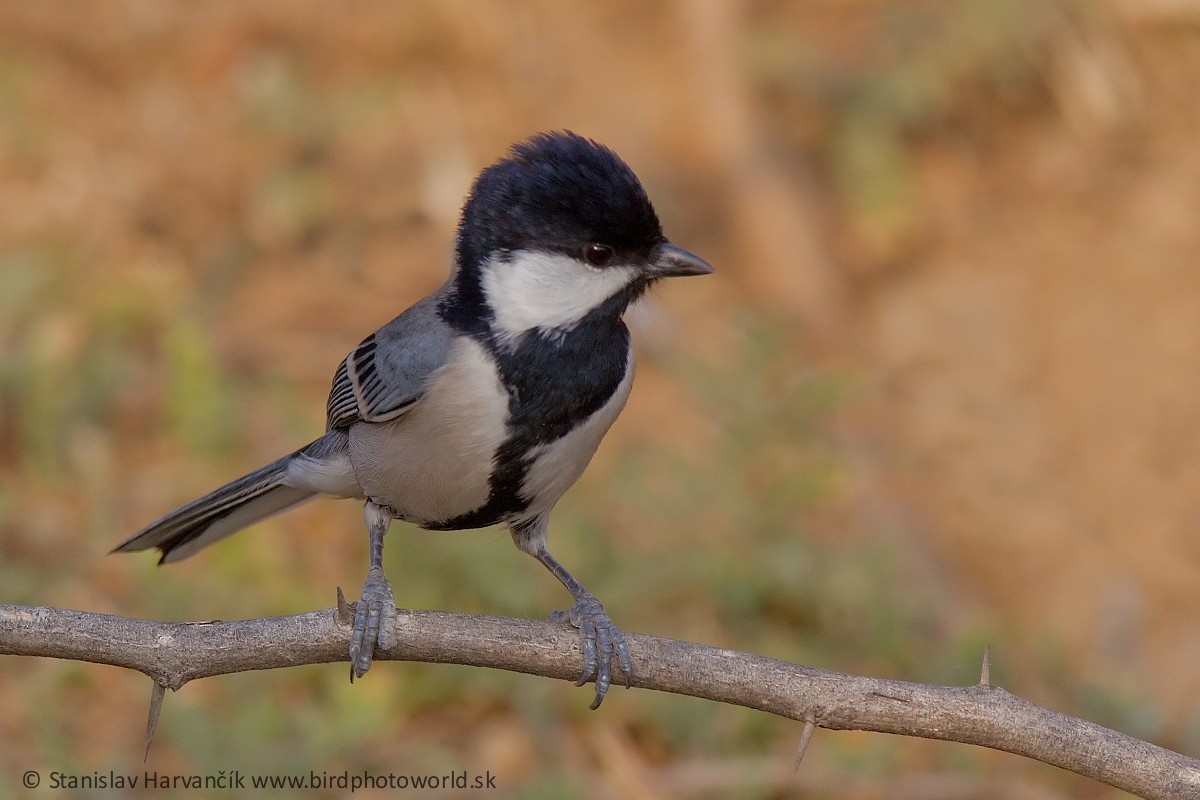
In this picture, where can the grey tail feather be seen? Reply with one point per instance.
(220, 513)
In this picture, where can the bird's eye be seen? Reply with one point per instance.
(598, 254)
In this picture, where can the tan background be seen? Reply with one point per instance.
(941, 392)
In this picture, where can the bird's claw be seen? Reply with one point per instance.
(601, 641)
(374, 617)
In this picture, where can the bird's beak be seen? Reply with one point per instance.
(674, 262)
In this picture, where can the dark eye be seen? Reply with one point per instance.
(598, 254)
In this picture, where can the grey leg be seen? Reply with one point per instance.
(602, 640)
(375, 612)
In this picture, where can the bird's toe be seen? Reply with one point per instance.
(601, 642)
(374, 615)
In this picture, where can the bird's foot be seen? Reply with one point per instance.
(602, 641)
(374, 618)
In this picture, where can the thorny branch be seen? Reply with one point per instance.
(173, 653)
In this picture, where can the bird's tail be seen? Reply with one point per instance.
(220, 513)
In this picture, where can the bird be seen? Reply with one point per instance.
(482, 403)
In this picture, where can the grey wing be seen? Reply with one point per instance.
(387, 373)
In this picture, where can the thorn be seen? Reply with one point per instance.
(156, 700)
(345, 615)
(985, 670)
(805, 738)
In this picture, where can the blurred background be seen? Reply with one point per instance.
(940, 394)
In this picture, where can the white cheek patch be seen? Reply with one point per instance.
(547, 290)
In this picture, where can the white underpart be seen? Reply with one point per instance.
(434, 462)
(331, 475)
(547, 290)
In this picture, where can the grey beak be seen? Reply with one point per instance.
(674, 262)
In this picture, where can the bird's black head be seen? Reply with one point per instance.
(561, 193)
(559, 230)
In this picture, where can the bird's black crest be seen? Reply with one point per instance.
(559, 190)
